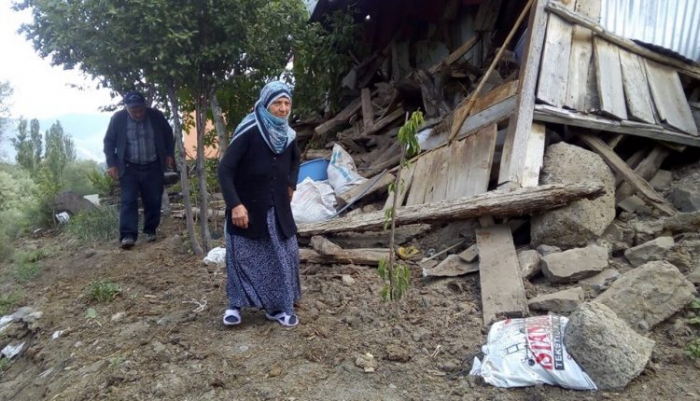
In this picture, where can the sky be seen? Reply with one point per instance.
(47, 93)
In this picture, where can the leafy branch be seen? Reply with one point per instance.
(397, 276)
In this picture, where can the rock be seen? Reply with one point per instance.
(575, 264)
(158, 347)
(601, 281)
(397, 353)
(348, 280)
(652, 250)
(694, 276)
(22, 312)
(685, 199)
(275, 371)
(582, 221)
(366, 362)
(662, 180)
(529, 263)
(634, 204)
(648, 295)
(562, 301)
(452, 266)
(71, 202)
(94, 368)
(545, 250)
(90, 253)
(604, 346)
(118, 316)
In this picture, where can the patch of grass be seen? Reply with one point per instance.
(95, 224)
(103, 290)
(692, 349)
(8, 302)
(4, 364)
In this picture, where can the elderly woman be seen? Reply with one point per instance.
(258, 176)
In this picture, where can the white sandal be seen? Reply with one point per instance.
(283, 319)
(232, 313)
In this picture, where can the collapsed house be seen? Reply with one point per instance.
(499, 82)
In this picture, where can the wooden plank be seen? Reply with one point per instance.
(518, 135)
(609, 73)
(642, 187)
(368, 256)
(487, 15)
(438, 177)
(455, 55)
(646, 169)
(692, 70)
(502, 288)
(481, 160)
(634, 79)
(496, 95)
(384, 122)
(367, 110)
(500, 203)
(367, 188)
(669, 97)
(550, 114)
(458, 182)
(581, 56)
(407, 178)
(535, 156)
(432, 98)
(455, 172)
(421, 180)
(554, 70)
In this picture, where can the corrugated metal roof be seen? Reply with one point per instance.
(672, 24)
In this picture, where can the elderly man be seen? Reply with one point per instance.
(139, 147)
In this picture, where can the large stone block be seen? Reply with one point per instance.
(575, 264)
(606, 348)
(563, 301)
(648, 295)
(652, 250)
(582, 221)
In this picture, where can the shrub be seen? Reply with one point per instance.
(8, 302)
(96, 224)
(103, 290)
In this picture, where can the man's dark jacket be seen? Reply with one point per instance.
(115, 138)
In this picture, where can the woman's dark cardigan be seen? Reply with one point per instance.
(252, 175)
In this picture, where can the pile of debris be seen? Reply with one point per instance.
(544, 174)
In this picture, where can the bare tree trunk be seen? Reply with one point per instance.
(219, 123)
(201, 121)
(184, 180)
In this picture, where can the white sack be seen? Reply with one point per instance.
(313, 201)
(342, 172)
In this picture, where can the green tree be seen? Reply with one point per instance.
(76, 177)
(59, 152)
(182, 53)
(28, 145)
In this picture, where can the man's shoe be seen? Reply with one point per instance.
(150, 237)
(127, 243)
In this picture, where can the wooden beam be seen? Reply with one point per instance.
(535, 156)
(368, 256)
(404, 187)
(340, 118)
(455, 55)
(495, 96)
(687, 69)
(580, 58)
(550, 114)
(367, 110)
(554, 69)
(433, 100)
(642, 187)
(646, 170)
(520, 123)
(502, 288)
(384, 122)
(609, 74)
(499, 203)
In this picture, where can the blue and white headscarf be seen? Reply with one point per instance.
(274, 130)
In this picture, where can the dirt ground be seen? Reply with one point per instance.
(162, 337)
